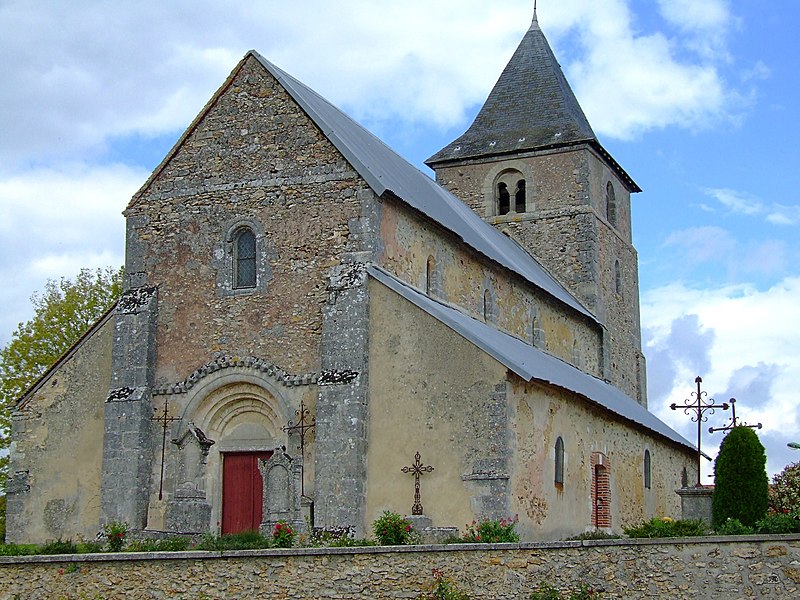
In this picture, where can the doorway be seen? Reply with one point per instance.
(242, 491)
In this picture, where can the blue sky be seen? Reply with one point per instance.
(695, 98)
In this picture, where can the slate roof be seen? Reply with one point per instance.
(387, 172)
(531, 363)
(531, 107)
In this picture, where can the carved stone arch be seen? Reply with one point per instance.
(224, 254)
(511, 173)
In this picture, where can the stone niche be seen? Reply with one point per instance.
(188, 511)
(281, 497)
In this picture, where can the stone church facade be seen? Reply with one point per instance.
(282, 259)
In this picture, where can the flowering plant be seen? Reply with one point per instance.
(392, 530)
(445, 588)
(115, 533)
(283, 535)
(492, 531)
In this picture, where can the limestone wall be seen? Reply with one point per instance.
(686, 569)
(57, 446)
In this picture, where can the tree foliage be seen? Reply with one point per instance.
(784, 493)
(63, 312)
(741, 486)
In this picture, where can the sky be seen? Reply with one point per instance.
(693, 97)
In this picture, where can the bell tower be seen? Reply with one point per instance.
(531, 166)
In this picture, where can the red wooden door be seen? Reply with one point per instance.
(241, 491)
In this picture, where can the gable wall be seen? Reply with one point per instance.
(254, 156)
(57, 446)
(461, 276)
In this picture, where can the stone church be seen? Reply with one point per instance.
(308, 319)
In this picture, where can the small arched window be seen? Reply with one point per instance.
(647, 472)
(519, 197)
(611, 204)
(244, 258)
(617, 278)
(559, 463)
(503, 199)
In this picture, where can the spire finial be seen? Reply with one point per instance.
(535, 22)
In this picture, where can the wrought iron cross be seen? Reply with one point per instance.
(165, 420)
(304, 423)
(699, 406)
(417, 469)
(733, 421)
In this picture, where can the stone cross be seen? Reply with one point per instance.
(417, 469)
(164, 420)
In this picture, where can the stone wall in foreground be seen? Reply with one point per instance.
(696, 568)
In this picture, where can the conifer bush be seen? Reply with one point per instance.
(741, 486)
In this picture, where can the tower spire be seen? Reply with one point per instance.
(535, 21)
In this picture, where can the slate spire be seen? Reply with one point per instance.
(531, 106)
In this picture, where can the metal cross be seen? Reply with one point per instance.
(417, 469)
(304, 422)
(699, 406)
(733, 421)
(165, 420)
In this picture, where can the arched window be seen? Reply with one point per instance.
(647, 474)
(244, 258)
(559, 463)
(503, 199)
(519, 197)
(611, 204)
(617, 278)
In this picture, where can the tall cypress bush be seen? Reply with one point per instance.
(741, 486)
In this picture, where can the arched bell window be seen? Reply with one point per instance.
(611, 204)
(510, 193)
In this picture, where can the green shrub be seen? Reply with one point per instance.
(246, 540)
(115, 533)
(282, 535)
(89, 547)
(491, 531)
(784, 493)
(666, 527)
(18, 549)
(170, 544)
(392, 530)
(59, 546)
(733, 527)
(741, 488)
(778, 523)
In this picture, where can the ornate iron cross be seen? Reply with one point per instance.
(165, 420)
(304, 423)
(699, 406)
(417, 469)
(733, 421)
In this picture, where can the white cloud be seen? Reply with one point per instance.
(53, 222)
(743, 203)
(752, 356)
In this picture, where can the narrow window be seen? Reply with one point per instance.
(487, 306)
(617, 278)
(503, 199)
(519, 197)
(684, 478)
(611, 205)
(647, 477)
(601, 491)
(430, 270)
(559, 463)
(244, 259)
